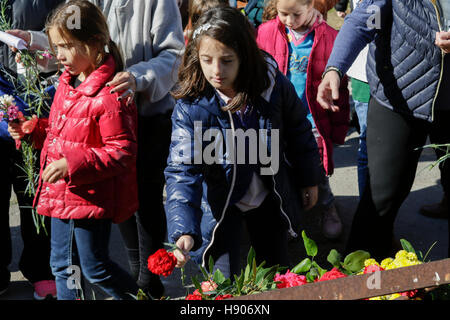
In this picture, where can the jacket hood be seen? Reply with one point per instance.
(96, 80)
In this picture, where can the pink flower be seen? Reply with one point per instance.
(208, 286)
(289, 279)
(372, 268)
(332, 274)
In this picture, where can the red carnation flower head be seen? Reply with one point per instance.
(193, 297)
(289, 279)
(162, 262)
(223, 297)
(332, 274)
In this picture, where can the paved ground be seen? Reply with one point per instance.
(422, 232)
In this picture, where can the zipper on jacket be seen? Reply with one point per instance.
(433, 2)
(290, 230)
(233, 181)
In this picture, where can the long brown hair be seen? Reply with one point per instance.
(230, 27)
(270, 9)
(84, 22)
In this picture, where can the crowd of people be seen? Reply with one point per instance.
(234, 107)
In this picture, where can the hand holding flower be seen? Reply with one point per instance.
(15, 130)
(55, 171)
(184, 244)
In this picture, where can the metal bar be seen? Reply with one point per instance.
(370, 285)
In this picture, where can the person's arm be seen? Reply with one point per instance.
(359, 29)
(184, 181)
(158, 75)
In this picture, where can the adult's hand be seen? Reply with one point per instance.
(443, 41)
(22, 34)
(185, 244)
(123, 81)
(328, 91)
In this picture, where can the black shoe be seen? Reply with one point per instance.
(436, 210)
(5, 279)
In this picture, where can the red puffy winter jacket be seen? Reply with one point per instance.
(98, 137)
(332, 126)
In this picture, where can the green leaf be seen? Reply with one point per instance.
(303, 266)
(354, 261)
(334, 258)
(319, 269)
(407, 246)
(211, 264)
(312, 275)
(310, 245)
(218, 277)
(204, 273)
(251, 256)
(197, 284)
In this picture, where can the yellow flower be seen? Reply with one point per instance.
(386, 262)
(393, 296)
(369, 262)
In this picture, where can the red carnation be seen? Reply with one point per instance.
(223, 297)
(372, 268)
(193, 297)
(332, 274)
(162, 262)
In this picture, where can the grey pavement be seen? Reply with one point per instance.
(421, 231)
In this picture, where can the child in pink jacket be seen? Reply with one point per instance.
(302, 53)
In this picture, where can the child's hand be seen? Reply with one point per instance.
(55, 171)
(185, 243)
(328, 91)
(309, 197)
(443, 41)
(15, 130)
(314, 15)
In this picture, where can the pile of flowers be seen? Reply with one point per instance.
(213, 285)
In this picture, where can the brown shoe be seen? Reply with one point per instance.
(331, 223)
(436, 210)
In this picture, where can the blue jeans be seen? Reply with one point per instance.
(361, 110)
(85, 242)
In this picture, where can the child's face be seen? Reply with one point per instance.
(72, 55)
(293, 14)
(220, 65)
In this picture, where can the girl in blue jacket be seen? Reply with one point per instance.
(242, 149)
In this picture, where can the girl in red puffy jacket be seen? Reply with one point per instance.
(88, 158)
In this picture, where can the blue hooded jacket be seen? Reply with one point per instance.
(199, 194)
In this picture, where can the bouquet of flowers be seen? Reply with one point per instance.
(29, 98)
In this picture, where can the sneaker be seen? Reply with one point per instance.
(45, 290)
(331, 223)
(436, 210)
